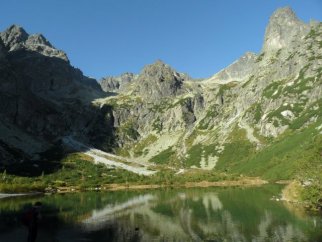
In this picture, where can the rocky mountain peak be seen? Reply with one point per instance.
(38, 39)
(283, 28)
(14, 36)
(158, 80)
(158, 70)
(285, 13)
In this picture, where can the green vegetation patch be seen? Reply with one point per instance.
(315, 110)
(258, 112)
(226, 87)
(164, 157)
(235, 151)
(205, 123)
(276, 115)
(77, 170)
(248, 81)
(273, 90)
(157, 125)
(122, 101)
(141, 146)
(128, 129)
(282, 159)
(197, 152)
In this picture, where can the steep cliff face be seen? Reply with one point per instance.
(283, 29)
(117, 83)
(42, 96)
(16, 38)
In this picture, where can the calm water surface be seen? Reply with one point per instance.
(211, 214)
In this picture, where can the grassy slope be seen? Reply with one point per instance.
(296, 154)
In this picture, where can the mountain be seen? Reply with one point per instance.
(42, 96)
(238, 119)
(260, 116)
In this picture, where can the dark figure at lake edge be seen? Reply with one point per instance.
(30, 219)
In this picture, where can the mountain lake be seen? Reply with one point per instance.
(196, 214)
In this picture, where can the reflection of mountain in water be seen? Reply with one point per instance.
(200, 216)
(212, 214)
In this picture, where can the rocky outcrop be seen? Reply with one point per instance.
(42, 97)
(237, 71)
(16, 38)
(117, 83)
(283, 28)
(158, 81)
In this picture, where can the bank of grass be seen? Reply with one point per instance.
(78, 172)
(295, 155)
(235, 151)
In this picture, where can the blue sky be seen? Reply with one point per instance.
(109, 37)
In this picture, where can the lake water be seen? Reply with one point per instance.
(198, 214)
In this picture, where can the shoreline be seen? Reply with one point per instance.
(202, 184)
(244, 182)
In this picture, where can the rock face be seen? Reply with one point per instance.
(158, 81)
(42, 96)
(16, 38)
(117, 83)
(3, 51)
(283, 28)
(237, 71)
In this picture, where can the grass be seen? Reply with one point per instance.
(194, 156)
(141, 146)
(197, 152)
(164, 157)
(276, 115)
(225, 87)
(235, 151)
(205, 123)
(315, 110)
(258, 112)
(77, 170)
(283, 158)
(270, 90)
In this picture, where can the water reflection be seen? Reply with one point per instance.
(231, 214)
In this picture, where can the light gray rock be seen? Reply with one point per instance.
(283, 28)
(158, 81)
(117, 83)
(238, 71)
(14, 37)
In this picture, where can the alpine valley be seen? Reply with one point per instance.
(258, 120)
